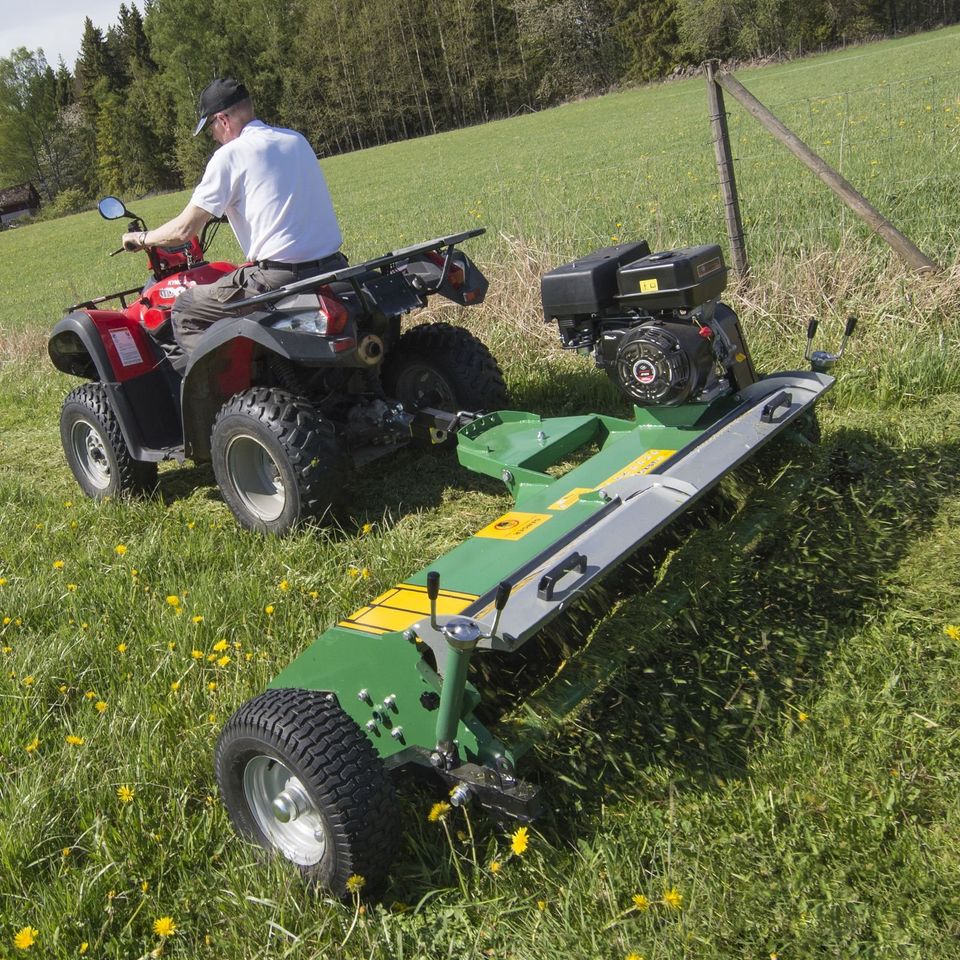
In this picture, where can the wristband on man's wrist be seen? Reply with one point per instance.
(143, 239)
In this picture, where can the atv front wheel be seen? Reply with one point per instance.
(299, 777)
(446, 367)
(277, 461)
(95, 449)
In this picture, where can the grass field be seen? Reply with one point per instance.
(777, 771)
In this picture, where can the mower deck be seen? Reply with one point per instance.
(403, 680)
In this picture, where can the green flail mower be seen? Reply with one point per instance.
(306, 768)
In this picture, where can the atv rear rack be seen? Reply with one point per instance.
(399, 665)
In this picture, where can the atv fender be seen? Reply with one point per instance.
(223, 363)
(76, 347)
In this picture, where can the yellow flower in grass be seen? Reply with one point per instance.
(57, 565)
(71, 588)
(268, 609)
(196, 654)
(173, 600)
(438, 811)
(541, 905)
(673, 898)
(284, 585)
(28, 681)
(802, 717)
(84, 947)
(121, 648)
(640, 902)
(952, 631)
(3, 581)
(633, 956)
(125, 794)
(519, 841)
(212, 685)
(65, 852)
(198, 618)
(25, 938)
(495, 866)
(355, 883)
(164, 926)
(120, 549)
(74, 741)
(32, 745)
(90, 694)
(366, 528)
(223, 661)
(220, 646)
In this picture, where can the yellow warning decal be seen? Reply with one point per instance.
(643, 464)
(513, 525)
(402, 606)
(649, 286)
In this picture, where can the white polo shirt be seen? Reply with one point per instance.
(269, 184)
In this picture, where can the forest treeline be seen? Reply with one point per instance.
(352, 75)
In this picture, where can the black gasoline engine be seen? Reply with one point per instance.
(652, 321)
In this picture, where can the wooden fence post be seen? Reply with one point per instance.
(728, 183)
(841, 187)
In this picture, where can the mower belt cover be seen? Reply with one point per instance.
(405, 682)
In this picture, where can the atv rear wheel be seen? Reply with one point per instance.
(446, 367)
(95, 449)
(277, 461)
(299, 777)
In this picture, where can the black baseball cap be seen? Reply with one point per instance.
(217, 96)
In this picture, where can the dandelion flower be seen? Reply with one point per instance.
(519, 841)
(802, 717)
(541, 905)
(74, 741)
(634, 956)
(100, 706)
(173, 600)
(32, 745)
(196, 654)
(125, 794)
(353, 571)
(355, 883)
(3, 581)
(71, 588)
(121, 648)
(198, 618)
(25, 938)
(365, 574)
(28, 681)
(284, 585)
(175, 686)
(65, 852)
(495, 866)
(268, 609)
(673, 898)
(367, 527)
(438, 811)
(57, 564)
(120, 549)
(640, 902)
(223, 661)
(90, 694)
(84, 947)
(164, 926)
(212, 685)
(952, 631)
(220, 646)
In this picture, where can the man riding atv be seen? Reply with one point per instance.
(268, 183)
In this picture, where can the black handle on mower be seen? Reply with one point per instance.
(576, 561)
(783, 399)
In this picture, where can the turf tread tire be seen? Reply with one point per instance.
(128, 476)
(335, 762)
(464, 361)
(307, 441)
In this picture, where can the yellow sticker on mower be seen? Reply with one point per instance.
(513, 525)
(643, 464)
(649, 286)
(402, 606)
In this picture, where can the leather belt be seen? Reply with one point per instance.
(305, 265)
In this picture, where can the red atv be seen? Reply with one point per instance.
(283, 399)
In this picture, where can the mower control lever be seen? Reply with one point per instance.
(820, 360)
(433, 591)
(499, 602)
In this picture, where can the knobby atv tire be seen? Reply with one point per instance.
(95, 449)
(318, 744)
(303, 447)
(442, 366)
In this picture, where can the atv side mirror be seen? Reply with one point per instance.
(111, 208)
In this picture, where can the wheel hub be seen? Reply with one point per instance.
(284, 811)
(91, 453)
(256, 478)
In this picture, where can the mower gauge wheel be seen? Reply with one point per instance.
(299, 777)
(95, 449)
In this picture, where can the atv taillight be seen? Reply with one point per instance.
(454, 275)
(333, 314)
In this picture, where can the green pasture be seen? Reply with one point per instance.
(775, 774)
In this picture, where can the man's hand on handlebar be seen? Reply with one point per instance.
(134, 241)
